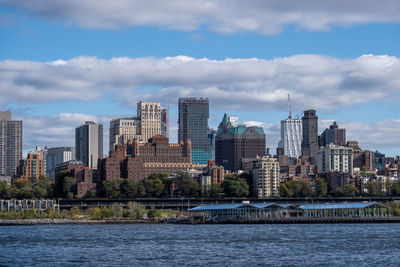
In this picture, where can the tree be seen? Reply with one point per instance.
(112, 188)
(65, 185)
(350, 190)
(372, 188)
(337, 192)
(305, 189)
(321, 187)
(117, 210)
(296, 189)
(164, 178)
(396, 189)
(21, 189)
(136, 210)
(249, 180)
(286, 190)
(186, 185)
(141, 190)
(235, 187)
(91, 194)
(215, 190)
(129, 188)
(154, 186)
(152, 213)
(5, 190)
(69, 187)
(75, 212)
(43, 187)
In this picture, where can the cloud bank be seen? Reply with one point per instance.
(314, 81)
(223, 16)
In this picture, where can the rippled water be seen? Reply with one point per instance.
(201, 245)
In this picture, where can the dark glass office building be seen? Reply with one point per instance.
(193, 124)
(309, 146)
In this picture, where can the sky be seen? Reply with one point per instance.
(65, 62)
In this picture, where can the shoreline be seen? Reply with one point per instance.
(337, 220)
(73, 221)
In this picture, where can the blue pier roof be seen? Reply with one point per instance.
(327, 206)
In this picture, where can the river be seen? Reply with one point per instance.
(201, 245)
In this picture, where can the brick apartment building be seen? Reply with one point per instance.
(137, 160)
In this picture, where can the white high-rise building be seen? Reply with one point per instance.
(89, 143)
(335, 158)
(291, 137)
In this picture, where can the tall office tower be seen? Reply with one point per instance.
(211, 138)
(309, 146)
(89, 143)
(333, 135)
(164, 122)
(57, 155)
(124, 129)
(10, 144)
(150, 119)
(233, 144)
(193, 124)
(34, 165)
(291, 137)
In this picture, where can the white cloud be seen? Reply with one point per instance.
(313, 81)
(225, 16)
(57, 130)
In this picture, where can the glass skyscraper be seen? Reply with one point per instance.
(193, 124)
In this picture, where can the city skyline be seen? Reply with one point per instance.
(61, 71)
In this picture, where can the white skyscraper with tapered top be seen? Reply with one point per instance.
(291, 135)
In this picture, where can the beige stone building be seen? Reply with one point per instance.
(146, 125)
(266, 176)
(150, 119)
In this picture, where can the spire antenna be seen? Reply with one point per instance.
(289, 107)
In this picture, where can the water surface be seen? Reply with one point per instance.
(201, 245)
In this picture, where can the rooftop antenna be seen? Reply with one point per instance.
(290, 111)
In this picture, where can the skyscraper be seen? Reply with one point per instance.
(10, 144)
(291, 137)
(333, 135)
(124, 129)
(233, 144)
(148, 123)
(309, 146)
(164, 122)
(193, 124)
(150, 119)
(56, 155)
(89, 143)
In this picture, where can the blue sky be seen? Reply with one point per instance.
(60, 63)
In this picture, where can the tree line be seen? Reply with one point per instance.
(303, 189)
(155, 185)
(182, 185)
